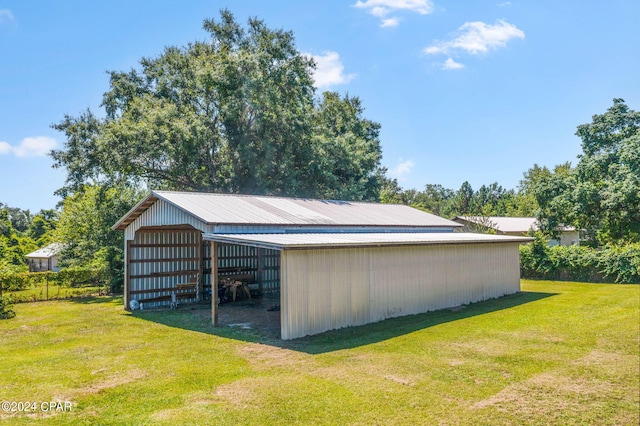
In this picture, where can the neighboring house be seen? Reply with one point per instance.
(333, 264)
(516, 226)
(45, 259)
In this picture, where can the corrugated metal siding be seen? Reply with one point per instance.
(247, 259)
(155, 253)
(329, 289)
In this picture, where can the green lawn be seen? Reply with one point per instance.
(557, 353)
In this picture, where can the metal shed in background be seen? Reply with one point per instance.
(335, 263)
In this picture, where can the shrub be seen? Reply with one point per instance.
(620, 264)
(6, 307)
(68, 277)
(623, 263)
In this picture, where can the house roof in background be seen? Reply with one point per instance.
(47, 252)
(508, 224)
(233, 209)
(343, 240)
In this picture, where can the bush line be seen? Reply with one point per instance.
(68, 277)
(619, 264)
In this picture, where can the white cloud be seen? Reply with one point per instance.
(329, 70)
(477, 37)
(5, 148)
(382, 9)
(402, 169)
(450, 64)
(38, 146)
(391, 22)
(5, 15)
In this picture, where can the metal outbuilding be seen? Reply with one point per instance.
(334, 264)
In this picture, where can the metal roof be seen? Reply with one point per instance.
(341, 240)
(214, 209)
(47, 252)
(508, 224)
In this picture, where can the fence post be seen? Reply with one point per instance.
(47, 286)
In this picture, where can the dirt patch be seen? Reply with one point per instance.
(239, 394)
(401, 380)
(256, 315)
(541, 385)
(266, 357)
(114, 381)
(549, 394)
(604, 359)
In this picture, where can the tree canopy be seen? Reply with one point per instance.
(84, 228)
(21, 233)
(488, 200)
(606, 198)
(235, 114)
(601, 195)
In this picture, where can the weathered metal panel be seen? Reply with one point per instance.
(327, 289)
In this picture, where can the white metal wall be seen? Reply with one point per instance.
(333, 288)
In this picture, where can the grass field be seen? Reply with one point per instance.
(557, 353)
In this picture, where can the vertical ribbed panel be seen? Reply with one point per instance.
(162, 213)
(329, 289)
(161, 259)
(234, 259)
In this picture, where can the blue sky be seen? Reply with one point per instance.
(474, 90)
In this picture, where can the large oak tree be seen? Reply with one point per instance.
(237, 113)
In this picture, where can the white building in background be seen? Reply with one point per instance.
(45, 259)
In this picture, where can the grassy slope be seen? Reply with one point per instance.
(558, 353)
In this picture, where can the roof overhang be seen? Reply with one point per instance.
(311, 241)
(135, 212)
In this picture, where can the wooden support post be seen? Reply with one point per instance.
(260, 269)
(214, 283)
(199, 277)
(127, 275)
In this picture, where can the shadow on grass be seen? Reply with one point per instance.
(95, 299)
(198, 318)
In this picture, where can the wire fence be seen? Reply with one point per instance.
(35, 287)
